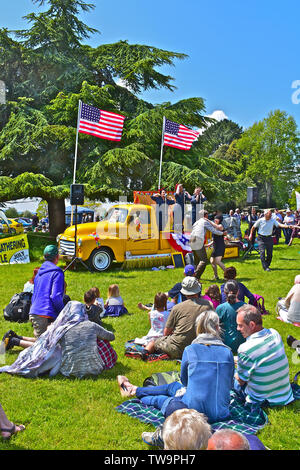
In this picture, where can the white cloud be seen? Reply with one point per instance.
(218, 115)
(122, 83)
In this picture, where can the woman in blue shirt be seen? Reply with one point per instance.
(207, 371)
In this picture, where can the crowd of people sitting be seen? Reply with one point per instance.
(219, 339)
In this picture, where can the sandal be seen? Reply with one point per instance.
(13, 430)
(9, 335)
(125, 390)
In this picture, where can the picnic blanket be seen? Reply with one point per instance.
(134, 351)
(244, 418)
(295, 324)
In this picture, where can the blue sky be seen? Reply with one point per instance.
(243, 56)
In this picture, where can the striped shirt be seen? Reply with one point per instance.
(263, 364)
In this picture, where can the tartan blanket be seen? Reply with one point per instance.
(134, 351)
(243, 419)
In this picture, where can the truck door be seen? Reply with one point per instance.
(142, 238)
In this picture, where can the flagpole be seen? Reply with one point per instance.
(161, 151)
(76, 143)
(76, 150)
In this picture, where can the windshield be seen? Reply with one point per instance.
(3, 221)
(116, 214)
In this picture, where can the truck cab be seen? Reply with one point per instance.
(128, 230)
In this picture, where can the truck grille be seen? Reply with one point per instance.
(66, 248)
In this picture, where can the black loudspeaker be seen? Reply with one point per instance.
(252, 195)
(76, 194)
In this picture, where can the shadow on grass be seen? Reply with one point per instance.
(9, 445)
(283, 269)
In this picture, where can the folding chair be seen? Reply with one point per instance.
(249, 247)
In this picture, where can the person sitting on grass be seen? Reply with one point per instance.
(180, 329)
(93, 311)
(212, 293)
(229, 439)
(186, 430)
(289, 308)
(175, 291)
(29, 285)
(99, 301)
(68, 346)
(114, 305)
(207, 370)
(7, 428)
(158, 316)
(262, 376)
(49, 287)
(81, 355)
(11, 338)
(230, 275)
(227, 313)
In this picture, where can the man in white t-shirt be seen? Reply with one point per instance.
(264, 228)
(197, 242)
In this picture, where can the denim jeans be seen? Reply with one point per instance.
(159, 396)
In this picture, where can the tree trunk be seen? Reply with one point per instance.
(56, 211)
(268, 185)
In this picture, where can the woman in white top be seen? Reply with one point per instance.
(289, 308)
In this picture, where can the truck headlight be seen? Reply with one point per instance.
(79, 241)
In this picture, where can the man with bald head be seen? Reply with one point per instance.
(228, 439)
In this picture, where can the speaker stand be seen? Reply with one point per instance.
(75, 258)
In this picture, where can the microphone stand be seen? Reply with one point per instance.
(75, 258)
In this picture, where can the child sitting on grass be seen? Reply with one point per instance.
(212, 293)
(95, 312)
(98, 301)
(92, 310)
(158, 316)
(114, 305)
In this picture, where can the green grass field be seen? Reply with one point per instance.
(61, 413)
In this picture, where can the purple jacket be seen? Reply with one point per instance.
(47, 299)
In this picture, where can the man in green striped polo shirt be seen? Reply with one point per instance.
(262, 367)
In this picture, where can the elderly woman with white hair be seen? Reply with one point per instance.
(207, 371)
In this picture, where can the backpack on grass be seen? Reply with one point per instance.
(162, 378)
(18, 308)
(259, 303)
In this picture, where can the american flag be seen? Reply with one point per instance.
(102, 124)
(179, 136)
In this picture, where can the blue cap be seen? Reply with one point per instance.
(189, 270)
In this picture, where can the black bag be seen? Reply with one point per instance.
(18, 308)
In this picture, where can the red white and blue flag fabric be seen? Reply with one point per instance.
(180, 242)
(179, 136)
(102, 124)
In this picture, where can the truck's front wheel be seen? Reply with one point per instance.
(101, 260)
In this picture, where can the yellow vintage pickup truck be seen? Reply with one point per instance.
(128, 231)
